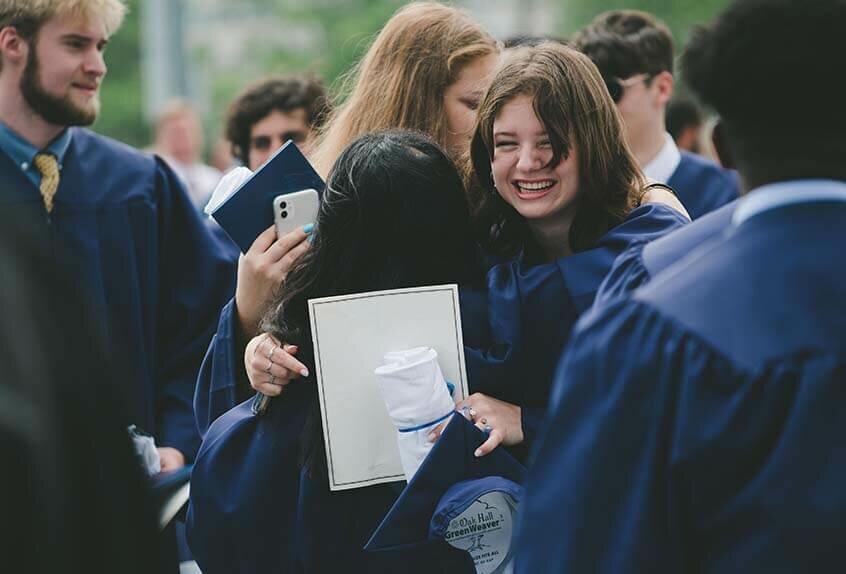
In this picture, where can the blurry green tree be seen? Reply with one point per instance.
(122, 115)
(680, 15)
(348, 28)
(341, 31)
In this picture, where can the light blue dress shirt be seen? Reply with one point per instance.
(23, 153)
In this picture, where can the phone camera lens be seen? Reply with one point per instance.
(283, 205)
(284, 214)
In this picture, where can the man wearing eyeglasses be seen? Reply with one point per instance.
(634, 53)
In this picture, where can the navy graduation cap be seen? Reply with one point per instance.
(456, 513)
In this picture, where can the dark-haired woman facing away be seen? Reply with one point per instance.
(393, 215)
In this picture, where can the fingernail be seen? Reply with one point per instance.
(292, 349)
(478, 453)
(308, 228)
(304, 372)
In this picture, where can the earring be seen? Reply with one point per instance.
(493, 184)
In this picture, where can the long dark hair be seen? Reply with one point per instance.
(572, 102)
(393, 215)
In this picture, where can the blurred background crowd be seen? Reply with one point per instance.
(178, 64)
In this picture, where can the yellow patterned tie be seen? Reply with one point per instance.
(48, 166)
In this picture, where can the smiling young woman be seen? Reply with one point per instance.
(553, 169)
(555, 194)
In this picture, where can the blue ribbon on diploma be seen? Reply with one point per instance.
(425, 425)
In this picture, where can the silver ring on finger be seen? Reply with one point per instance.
(269, 366)
(272, 379)
(270, 354)
(472, 413)
(487, 429)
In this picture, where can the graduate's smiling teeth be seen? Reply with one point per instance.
(533, 187)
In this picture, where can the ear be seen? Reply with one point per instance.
(663, 86)
(13, 48)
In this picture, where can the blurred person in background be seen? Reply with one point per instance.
(634, 53)
(120, 219)
(178, 138)
(685, 123)
(530, 41)
(259, 121)
(427, 70)
(273, 111)
(221, 157)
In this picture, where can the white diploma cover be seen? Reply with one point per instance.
(351, 336)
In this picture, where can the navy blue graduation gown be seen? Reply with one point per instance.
(644, 259)
(702, 185)
(701, 424)
(124, 225)
(532, 309)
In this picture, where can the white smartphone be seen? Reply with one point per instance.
(295, 209)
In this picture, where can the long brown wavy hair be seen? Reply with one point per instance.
(572, 102)
(400, 82)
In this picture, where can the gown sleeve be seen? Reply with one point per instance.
(245, 488)
(646, 223)
(195, 280)
(627, 274)
(222, 382)
(643, 258)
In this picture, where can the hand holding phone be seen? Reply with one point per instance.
(265, 264)
(293, 210)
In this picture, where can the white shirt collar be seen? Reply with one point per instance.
(774, 195)
(663, 165)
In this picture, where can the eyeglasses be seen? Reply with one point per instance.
(617, 87)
